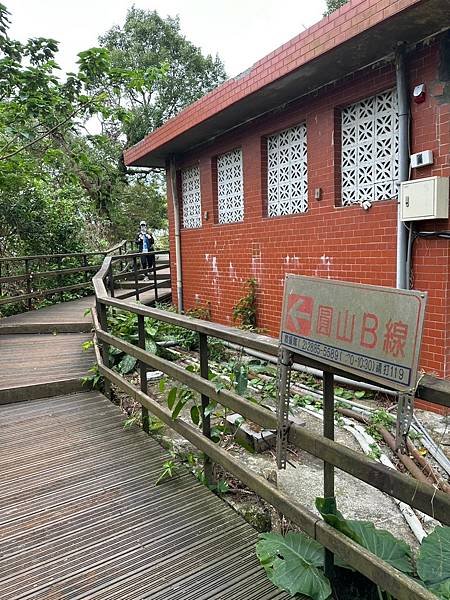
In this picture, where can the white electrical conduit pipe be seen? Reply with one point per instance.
(431, 445)
(417, 426)
(427, 440)
(365, 441)
(177, 227)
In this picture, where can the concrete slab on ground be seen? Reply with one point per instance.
(355, 499)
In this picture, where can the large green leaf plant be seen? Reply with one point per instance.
(295, 562)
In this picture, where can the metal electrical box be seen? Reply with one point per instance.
(426, 198)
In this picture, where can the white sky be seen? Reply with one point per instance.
(240, 31)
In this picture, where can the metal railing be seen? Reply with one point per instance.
(23, 278)
(418, 495)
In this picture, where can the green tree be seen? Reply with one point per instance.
(61, 187)
(140, 200)
(333, 5)
(146, 41)
(56, 181)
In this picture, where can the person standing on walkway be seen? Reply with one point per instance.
(146, 245)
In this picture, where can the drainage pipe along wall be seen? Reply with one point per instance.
(177, 226)
(402, 278)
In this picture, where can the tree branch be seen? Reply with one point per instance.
(41, 137)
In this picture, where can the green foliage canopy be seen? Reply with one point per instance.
(62, 187)
(145, 42)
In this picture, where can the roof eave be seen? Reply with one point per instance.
(371, 46)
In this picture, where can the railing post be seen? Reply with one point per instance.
(111, 279)
(28, 274)
(155, 280)
(143, 372)
(328, 469)
(136, 280)
(60, 278)
(121, 254)
(206, 419)
(103, 320)
(85, 264)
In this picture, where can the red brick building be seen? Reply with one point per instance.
(268, 171)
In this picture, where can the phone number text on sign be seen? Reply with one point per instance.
(350, 359)
(367, 330)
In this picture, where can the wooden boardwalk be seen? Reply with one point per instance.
(35, 366)
(66, 317)
(81, 517)
(80, 514)
(41, 350)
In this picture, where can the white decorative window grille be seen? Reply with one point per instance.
(287, 172)
(230, 187)
(370, 149)
(191, 197)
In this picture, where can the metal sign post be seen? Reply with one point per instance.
(283, 396)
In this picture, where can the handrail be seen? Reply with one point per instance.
(31, 275)
(68, 254)
(418, 495)
(430, 388)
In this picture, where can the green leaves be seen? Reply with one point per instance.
(333, 5)
(383, 544)
(378, 541)
(94, 63)
(433, 561)
(177, 399)
(151, 346)
(168, 73)
(442, 590)
(241, 375)
(87, 345)
(171, 398)
(178, 408)
(127, 364)
(293, 564)
(331, 515)
(222, 487)
(169, 470)
(195, 415)
(244, 311)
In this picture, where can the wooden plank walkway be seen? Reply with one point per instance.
(66, 317)
(35, 366)
(81, 517)
(41, 350)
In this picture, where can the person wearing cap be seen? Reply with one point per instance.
(146, 244)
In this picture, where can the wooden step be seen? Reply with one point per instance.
(36, 366)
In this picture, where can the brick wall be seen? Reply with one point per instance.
(328, 241)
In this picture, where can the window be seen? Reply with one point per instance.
(230, 187)
(370, 149)
(287, 172)
(191, 197)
